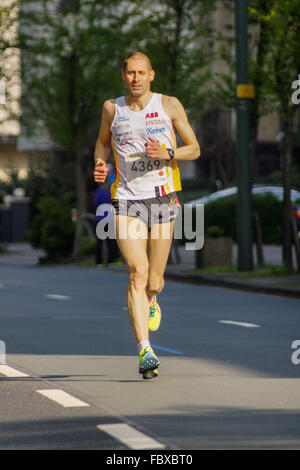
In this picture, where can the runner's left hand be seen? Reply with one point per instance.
(154, 150)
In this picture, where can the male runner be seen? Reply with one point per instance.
(141, 128)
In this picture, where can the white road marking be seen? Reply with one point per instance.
(245, 324)
(57, 297)
(63, 398)
(11, 372)
(130, 436)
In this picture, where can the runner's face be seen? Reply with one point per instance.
(137, 77)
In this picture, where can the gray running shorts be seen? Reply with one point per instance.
(156, 210)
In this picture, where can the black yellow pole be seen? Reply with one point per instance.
(244, 93)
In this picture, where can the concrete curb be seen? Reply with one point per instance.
(212, 280)
(31, 259)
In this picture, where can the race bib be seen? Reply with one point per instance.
(141, 170)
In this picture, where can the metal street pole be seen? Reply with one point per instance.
(244, 93)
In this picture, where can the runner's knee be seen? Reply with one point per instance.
(139, 276)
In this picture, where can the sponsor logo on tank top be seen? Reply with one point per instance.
(152, 122)
(123, 134)
(151, 115)
(123, 118)
(156, 130)
(126, 142)
(153, 118)
(122, 127)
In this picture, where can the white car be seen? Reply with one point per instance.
(276, 191)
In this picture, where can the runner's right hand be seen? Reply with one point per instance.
(100, 171)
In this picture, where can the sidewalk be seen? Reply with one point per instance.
(279, 285)
(22, 254)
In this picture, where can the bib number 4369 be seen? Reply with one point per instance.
(142, 165)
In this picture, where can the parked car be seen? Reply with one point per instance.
(276, 191)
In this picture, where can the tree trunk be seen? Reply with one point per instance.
(179, 12)
(221, 170)
(262, 51)
(287, 205)
(81, 194)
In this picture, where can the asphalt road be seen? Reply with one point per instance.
(226, 380)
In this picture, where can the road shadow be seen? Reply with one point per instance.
(192, 428)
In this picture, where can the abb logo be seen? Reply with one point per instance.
(151, 115)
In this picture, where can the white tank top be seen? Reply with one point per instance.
(137, 176)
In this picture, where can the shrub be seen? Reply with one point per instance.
(270, 212)
(223, 213)
(268, 208)
(52, 228)
(214, 231)
(87, 245)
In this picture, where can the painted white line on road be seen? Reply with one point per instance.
(11, 372)
(130, 437)
(63, 398)
(238, 323)
(57, 297)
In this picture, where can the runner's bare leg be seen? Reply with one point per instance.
(134, 252)
(158, 249)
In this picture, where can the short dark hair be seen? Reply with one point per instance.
(139, 54)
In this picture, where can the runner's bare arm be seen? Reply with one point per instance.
(191, 148)
(103, 144)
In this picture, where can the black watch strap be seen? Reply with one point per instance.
(171, 153)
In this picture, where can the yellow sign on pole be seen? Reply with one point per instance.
(245, 91)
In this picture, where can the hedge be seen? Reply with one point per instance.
(223, 214)
(52, 228)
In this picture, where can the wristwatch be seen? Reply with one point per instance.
(171, 153)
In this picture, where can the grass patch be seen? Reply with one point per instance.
(86, 262)
(266, 271)
(89, 261)
(3, 248)
(214, 270)
(291, 285)
(258, 271)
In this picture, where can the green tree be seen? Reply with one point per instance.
(283, 66)
(71, 64)
(9, 62)
(174, 34)
(274, 64)
(259, 12)
(260, 36)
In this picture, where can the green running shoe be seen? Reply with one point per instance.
(148, 362)
(154, 315)
(150, 374)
